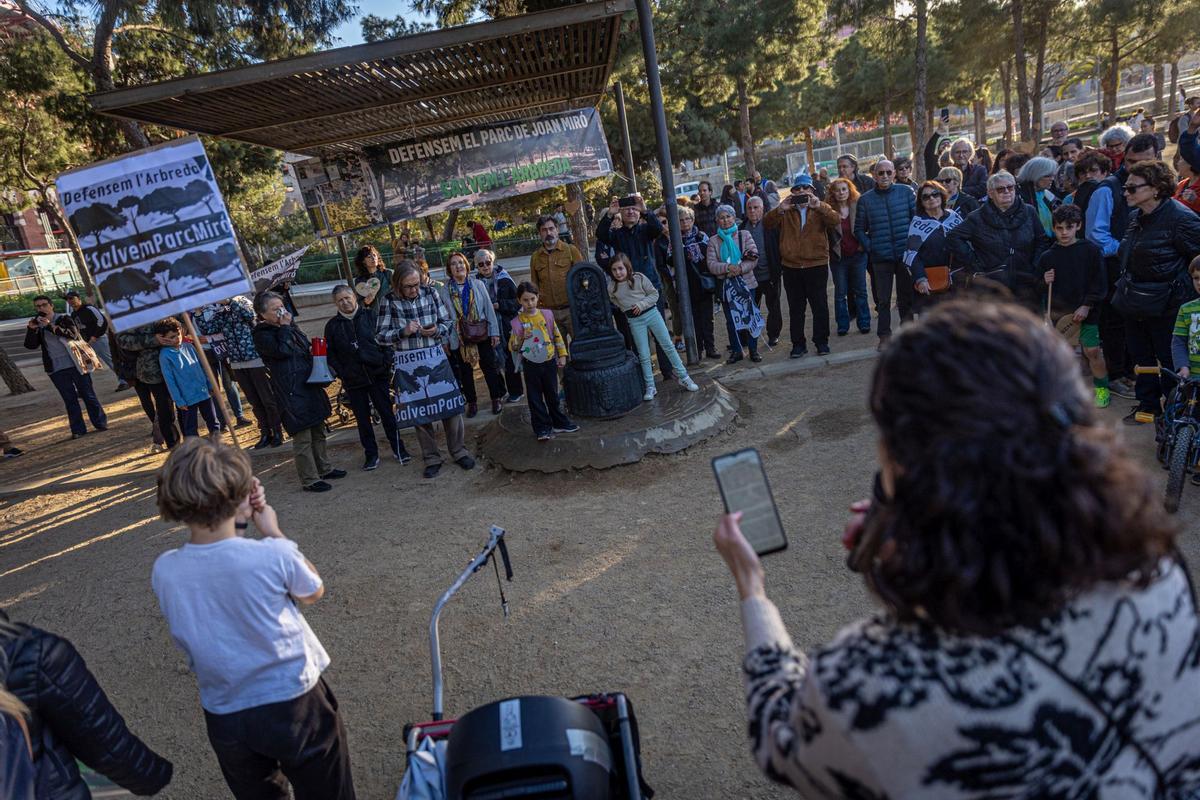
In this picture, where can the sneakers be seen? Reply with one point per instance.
(572, 428)
(432, 470)
(733, 359)
(651, 393)
(755, 357)
(513, 398)
(773, 341)
(333, 475)
(711, 354)
(12, 452)
(372, 462)
(402, 456)
(1139, 416)
(1103, 397)
(319, 486)
(497, 406)
(822, 349)
(1122, 387)
(466, 462)
(689, 384)
(544, 437)
(122, 387)
(798, 352)
(680, 347)
(242, 422)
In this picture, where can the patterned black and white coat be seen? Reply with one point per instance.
(1102, 700)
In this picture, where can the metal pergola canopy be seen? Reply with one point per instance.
(416, 86)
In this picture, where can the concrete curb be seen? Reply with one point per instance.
(797, 365)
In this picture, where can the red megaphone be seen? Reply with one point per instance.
(320, 371)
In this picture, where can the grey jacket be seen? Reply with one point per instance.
(481, 301)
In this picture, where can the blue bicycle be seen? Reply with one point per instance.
(1177, 432)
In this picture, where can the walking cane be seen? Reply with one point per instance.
(1049, 298)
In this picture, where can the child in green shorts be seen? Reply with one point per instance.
(1075, 270)
(1185, 343)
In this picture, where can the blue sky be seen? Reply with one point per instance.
(351, 32)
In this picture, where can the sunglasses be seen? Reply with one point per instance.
(931, 196)
(1131, 188)
(1005, 189)
(884, 172)
(483, 261)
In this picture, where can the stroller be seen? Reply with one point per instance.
(535, 748)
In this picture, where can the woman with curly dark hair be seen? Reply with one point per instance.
(1038, 636)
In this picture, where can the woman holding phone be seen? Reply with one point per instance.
(1038, 632)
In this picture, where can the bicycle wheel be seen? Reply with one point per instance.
(1181, 451)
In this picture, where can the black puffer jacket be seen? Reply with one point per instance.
(354, 355)
(1006, 244)
(1158, 246)
(73, 719)
(286, 353)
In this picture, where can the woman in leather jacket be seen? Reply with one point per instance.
(1162, 237)
(71, 718)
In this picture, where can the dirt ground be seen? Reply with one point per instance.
(617, 585)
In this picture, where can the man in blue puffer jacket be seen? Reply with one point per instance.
(881, 226)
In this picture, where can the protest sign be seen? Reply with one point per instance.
(425, 387)
(155, 232)
(481, 164)
(277, 272)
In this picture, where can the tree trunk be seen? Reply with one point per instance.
(887, 123)
(16, 381)
(808, 147)
(1006, 85)
(1111, 81)
(1018, 13)
(920, 129)
(1160, 80)
(578, 220)
(743, 96)
(448, 229)
(429, 227)
(1174, 104)
(979, 107)
(1039, 74)
(59, 219)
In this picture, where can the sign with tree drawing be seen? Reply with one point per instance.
(155, 232)
(425, 387)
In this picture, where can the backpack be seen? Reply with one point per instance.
(517, 330)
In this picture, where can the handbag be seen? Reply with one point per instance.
(83, 356)
(939, 279)
(1139, 299)
(473, 331)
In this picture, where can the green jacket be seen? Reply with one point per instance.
(142, 341)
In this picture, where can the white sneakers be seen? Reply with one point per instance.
(689, 384)
(650, 394)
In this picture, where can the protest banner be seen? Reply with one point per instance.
(154, 231)
(277, 272)
(425, 387)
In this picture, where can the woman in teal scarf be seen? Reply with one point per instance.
(732, 255)
(1033, 184)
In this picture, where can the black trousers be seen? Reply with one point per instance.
(1117, 352)
(702, 318)
(1149, 342)
(164, 412)
(808, 287)
(512, 378)
(541, 390)
(256, 385)
(771, 290)
(301, 741)
(361, 398)
(887, 273)
(489, 364)
(189, 421)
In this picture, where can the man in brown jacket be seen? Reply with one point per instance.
(804, 223)
(548, 267)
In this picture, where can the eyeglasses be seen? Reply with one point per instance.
(931, 196)
(1012, 187)
(410, 285)
(1131, 188)
(483, 261)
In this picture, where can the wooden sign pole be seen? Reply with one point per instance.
(222, 406)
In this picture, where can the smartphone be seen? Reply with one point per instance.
(946, 116)
(743, 484)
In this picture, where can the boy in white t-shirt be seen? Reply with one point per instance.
(232, 606)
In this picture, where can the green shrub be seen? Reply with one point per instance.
(20, 306)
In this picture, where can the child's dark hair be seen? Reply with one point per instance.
(168, 325)
(1068, 214)
(527, 287)
(621, 258)
(1194, 267)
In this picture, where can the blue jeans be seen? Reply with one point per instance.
(189, 423)
(642, 326)
(72, 387)
(850, 272)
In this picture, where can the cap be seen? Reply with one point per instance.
(802, 180)
(71, 294)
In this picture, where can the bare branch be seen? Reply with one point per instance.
(55, 33)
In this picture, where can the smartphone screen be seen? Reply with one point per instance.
(744, 488)
(945, 115)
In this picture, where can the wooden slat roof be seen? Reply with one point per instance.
(412, 87)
